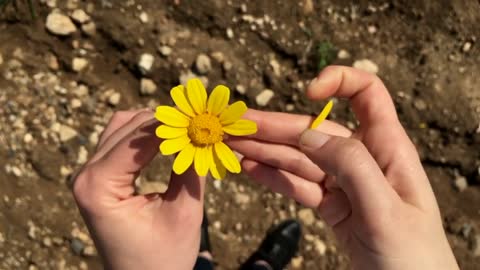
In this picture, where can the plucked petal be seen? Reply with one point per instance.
(202, 160)
(233, 113)
(167, 132)
(322, 116)
(197, 95)
(184, 159)
(218, 100)
(178, 95)
(173, 146)
(227, 157)
(241, 127)
(217, 169)
(171, 116)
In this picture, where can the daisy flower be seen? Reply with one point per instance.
(196, 128)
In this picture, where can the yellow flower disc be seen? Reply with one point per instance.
(205, 129)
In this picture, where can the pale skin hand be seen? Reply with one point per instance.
(369, 186)
(157, 231)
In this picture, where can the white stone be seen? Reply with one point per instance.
(343, 54)
(79, 64)
(28, 138)
(16, 171)
(289, 107)
(297, 262)
(460, 183)
(66, 133)
(114, 99)
(366, 65)
(320, 247)
(80, 16)
(242, 198)
(82, 155)
(467, 46)
(306, 216)
(241, 89)
(75, 103)
(230, 33)
(59, 24)
(145, 63)
(165, 50)
(143, 17)
(93, 138)
(276, 67)
(147, 87)
(89, 29)
(264, 97)
(217, 184)
(203, 64)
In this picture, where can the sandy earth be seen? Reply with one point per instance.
(58, 92)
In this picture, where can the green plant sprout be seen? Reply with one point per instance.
(326, 54)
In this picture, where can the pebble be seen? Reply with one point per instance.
(460, 183)
(343, 54)
(475, 245)
(276, 67)
(264, 97)
(89, 251)
(308, 7)
(66, 133)
(203, 64)
(466, 46)
(242, 198)
(59, 24)
(79, 64)
(147, 87)
(290, 107)
(89, 29)
(297, 262)
(366, 65)
(227, 65)
(165, 50)
(420, 104)
(145, 63)
(16, 171)
(82, 155)
(28, 138)
(241, 89)
(307, 216)
(77, 246)
(217, 184)
(217, 225)
(47, 241)
(143, 17)
(52, 62)
(75, 103)
(93, 138)
(114, 99)
(230, 34)
(320, 247)
(80, 16)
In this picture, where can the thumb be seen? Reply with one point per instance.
(355, 170)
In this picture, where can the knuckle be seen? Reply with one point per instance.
(82, 189)
(352, 149)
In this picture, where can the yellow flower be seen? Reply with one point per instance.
(195, 129)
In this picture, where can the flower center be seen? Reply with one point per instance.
(205, 129)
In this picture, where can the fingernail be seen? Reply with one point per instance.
(313, 139)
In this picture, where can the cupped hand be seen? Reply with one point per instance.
(155, 231)
(368, 185)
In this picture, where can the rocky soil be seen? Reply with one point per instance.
(64, 72)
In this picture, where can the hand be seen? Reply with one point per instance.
(369, 186)
(155, 231)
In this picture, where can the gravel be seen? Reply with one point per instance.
(59, 24)
(203, 64)
(80, 16)
(145, 63)
(147, 87)
(264, 97)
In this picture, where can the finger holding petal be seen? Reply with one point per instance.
(241, 127)
(218, 99)
(178, 95)
(197, 95)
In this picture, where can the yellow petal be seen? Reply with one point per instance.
(241, 128)
(217, 169)
(218, 99)
(173, 146)
(178, 95)
(167, 132)
(197, 95)
(322, 116)
(184, 159)
(171, 116)
(202, 160)
(227, 157)
(233, 113)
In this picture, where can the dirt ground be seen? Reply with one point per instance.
(58, 92)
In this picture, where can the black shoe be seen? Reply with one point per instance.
(279, 246)
(204, 238)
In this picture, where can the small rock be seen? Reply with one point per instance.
(47, 241)
(230, 34)
(238, 226)
(66, 133)
(52, 62)
(217, 184)
(79, 64)
(475, 245)
(276, 67)
(306, 216)
(227, 65)
(77, 246)
(145, 63)
(89, 251)
(297, 262)
(320, 247)
(218, 56)
(290, 107)
(372, 29)
(75, 103)
(114, 99)
(143, 17)
(165, 50)
(28, 138)
(420, 104)
(242, 198)
(217, 225)
(80, 16)
(241, 89)
(203, 64)
(308, 7)
(82, 155)
(89, 29)
(93, 138)
(59, 24)
(366, 65)
(264, 97)
(147, 87)
(466, 46)
(460, 183)
(16, 171)
(343, 54)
